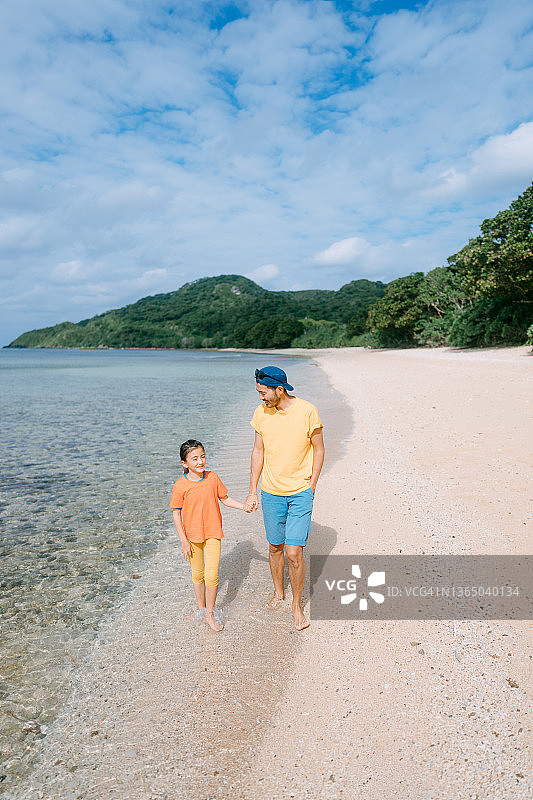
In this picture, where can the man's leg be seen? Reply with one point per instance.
(276, 559)
(295, 557)
(274, 509)
(297, 528)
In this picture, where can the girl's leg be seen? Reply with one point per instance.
(197, 567)
(199, 591)
(212, 560)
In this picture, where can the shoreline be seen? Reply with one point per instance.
(287, 351)
(156, 685)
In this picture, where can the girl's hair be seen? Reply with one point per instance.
(190, 444)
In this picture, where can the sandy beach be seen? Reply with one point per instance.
(438, 461)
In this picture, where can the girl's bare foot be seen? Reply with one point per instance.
(213, 624)
(276, 601)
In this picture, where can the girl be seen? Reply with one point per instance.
(198, 521)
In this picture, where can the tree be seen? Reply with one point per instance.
(443, 300)
(358, 324)
(499, 263)
(400, 307)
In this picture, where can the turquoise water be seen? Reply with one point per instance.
(89, 454)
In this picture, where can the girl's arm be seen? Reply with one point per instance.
(231, 503)
(186, 548)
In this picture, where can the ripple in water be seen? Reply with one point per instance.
(90, 443)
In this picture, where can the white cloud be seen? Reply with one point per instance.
(346, 251)
(151, 277)
(264, 274)
(375, 261)
(500, 162)
(69, 272)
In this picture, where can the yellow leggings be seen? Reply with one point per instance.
(204, 562)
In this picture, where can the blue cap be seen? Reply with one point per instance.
(272, 376)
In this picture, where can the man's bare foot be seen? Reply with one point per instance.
(213, 624)
(276, 601)
(300, 621)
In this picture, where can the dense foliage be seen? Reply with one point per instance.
(483, 297)
(394, 316)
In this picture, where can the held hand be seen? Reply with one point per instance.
(251, 503)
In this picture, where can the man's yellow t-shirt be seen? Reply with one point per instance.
(288, 453)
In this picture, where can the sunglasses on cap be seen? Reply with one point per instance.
(259, 373)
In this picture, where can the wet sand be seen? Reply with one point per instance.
(438, 462)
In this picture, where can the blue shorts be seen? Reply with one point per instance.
(287, 519)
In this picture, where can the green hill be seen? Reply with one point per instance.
(224, 311)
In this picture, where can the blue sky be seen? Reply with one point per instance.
(304, 143)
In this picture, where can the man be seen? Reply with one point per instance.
(289, 451)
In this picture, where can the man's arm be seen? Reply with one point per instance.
(256, 466)
(317, 442)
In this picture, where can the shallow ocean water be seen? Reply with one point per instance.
(90, 442)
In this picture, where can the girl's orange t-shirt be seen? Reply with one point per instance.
(198, 502)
